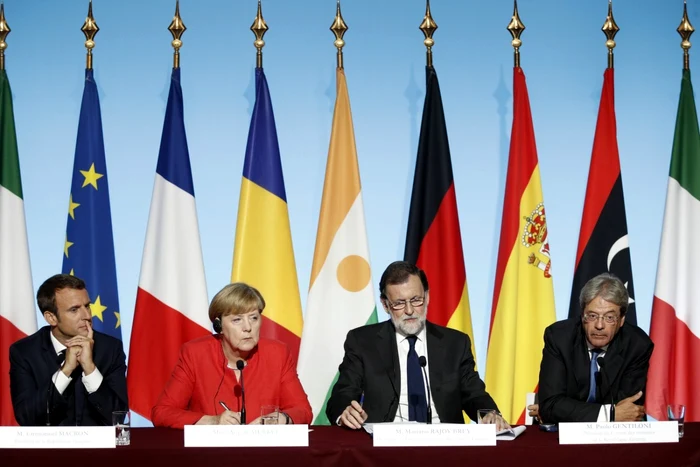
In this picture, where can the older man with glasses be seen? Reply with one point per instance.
(594, 368)
(383, 374)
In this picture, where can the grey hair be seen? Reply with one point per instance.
(608, 287)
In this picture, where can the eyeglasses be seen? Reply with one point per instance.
(415, 302)
(594, 317)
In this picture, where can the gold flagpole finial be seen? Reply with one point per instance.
(610, 29)
(685, 30)
(177, 28)
(516, 28)
(90, 29)
(4, 31)
(339, 28)
(428, 26)
(259, 28)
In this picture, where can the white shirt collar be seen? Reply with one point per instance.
(421, 335)
(57, 346)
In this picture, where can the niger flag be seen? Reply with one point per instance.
(433, 240)
(523, 294)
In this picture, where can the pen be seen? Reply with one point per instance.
(224, 405)
(362, 399)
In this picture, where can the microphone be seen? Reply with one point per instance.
(423, 362)
(601, 364)
(240, 365)
(60, 357)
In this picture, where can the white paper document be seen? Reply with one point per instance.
(510, 435)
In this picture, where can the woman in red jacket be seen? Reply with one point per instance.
(205, 386)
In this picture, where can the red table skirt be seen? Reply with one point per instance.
(334, 446)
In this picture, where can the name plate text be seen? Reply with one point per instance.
(618, 433)
(232, 436)
(57, 437)
(442, 434)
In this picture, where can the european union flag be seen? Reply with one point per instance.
(88, 252)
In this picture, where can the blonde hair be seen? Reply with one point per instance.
(235, 299)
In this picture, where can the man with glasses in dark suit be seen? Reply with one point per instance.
(382, 374)
(594, 368)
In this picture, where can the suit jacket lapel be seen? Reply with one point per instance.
(582, 362)
(613, 364)
(436, 354)
(386, 340)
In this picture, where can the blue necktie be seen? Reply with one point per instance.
(417, 406)
(594, 370)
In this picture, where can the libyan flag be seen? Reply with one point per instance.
(603, 244)
(673, 376)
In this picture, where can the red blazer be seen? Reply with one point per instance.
(202, 378)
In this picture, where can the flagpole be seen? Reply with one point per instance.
(4, 31)
(685, 29)
(177, 28)
(259, 28)
(516, 28)
(428, 26)
(339, 28)
(610, 29)
(90, 30)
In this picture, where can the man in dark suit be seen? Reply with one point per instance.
(66, 373)
(381, 378)
(594, 362)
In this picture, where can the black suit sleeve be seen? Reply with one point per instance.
(111, 395)
(350, 382)
(29, 394)
(473, 391)
(555, 405)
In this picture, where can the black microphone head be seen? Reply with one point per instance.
(240, 365)
(601, 362)
(422, 361)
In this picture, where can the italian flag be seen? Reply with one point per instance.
(673, 376)
(17, 316)
(341, 297)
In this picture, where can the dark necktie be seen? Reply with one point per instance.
(417, 406)
(593, 371)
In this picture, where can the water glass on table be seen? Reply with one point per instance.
(269, 415)
(121, 419)
(677, 412)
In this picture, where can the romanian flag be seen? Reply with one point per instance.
(675, 313)
(603, 245)
(17, 316)
(88, 251)
(341, 296)
(523, 294)
(433, 240)
(171, 300)
(263, 255)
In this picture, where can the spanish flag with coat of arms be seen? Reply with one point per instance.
(523, 294)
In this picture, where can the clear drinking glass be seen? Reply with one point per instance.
(122, 426)
(677, 412)
(269, 415)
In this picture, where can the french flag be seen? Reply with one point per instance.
(171, 302)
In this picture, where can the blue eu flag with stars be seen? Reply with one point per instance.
(88, 252)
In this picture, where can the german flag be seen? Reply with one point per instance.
(603, 244)
(523, 294)
(433, 240)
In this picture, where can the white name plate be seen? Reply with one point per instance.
(243, 436)
(56, 437)
(441, 434)
(618, 433)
